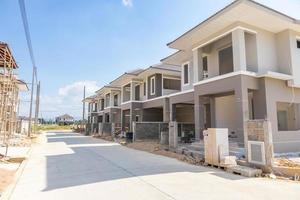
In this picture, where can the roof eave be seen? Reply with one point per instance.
(223, 10)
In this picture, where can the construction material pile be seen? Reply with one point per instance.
(18, 140)
(286, 162)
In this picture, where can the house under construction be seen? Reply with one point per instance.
(9, 90)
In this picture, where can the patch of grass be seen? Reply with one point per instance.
(49, 127)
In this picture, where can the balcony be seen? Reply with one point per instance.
(235, 51)
(126, 93)
(171, 85)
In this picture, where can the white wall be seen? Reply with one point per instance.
(266, 51)
(168, 91)
(24, 127)
(283, 52)
(191, 76)
(295, 56)
(251, 52)
(225, 113)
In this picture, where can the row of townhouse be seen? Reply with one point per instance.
(240, 64)
(136, 96)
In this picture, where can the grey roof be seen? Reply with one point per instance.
(160, 66)
(134, 71)
(166, 67)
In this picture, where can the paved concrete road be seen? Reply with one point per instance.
(72, 166)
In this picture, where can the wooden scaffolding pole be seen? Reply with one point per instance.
(8, 95)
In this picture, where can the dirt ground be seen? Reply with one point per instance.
(6, 178)
(108, 138)
(156, 148)
(10, 165)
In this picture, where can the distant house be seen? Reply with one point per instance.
(64, 119)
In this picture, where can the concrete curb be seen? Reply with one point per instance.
(9, 190)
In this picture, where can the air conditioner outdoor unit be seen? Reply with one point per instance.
(256, 152)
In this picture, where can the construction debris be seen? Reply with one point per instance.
(286, 162)
(287, 167)
(108, 137)
(244, 171)
(228, 161)
(192, 160)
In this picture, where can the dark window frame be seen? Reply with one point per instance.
(116, 100)
(205, 63)
(226, 52)
(152, 85)
(137, 92)
(107, 100)
(144, 88)
(186, 74)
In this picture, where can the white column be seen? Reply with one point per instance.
(242, 111)
(147, 87)
(122, 94)
(239, 50)
(132, 91)
(111, 99)
(198, 65)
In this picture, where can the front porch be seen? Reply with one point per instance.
(183, 117)
(228, 103)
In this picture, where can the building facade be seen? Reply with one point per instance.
(233, 67)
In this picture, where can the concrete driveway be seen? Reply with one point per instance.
(72, 166)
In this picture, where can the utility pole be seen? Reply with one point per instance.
(83, 106)
(31, 101)
(37, 105)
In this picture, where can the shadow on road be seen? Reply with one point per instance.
(94, 160)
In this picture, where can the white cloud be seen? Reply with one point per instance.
(127, 3)
(76, 88)
(68, 99)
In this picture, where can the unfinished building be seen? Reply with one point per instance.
(9, 89)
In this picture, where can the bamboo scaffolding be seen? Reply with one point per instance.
(8, 95)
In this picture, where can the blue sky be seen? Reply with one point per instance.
(91, 42)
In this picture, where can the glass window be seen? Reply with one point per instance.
(186, 74)
(95, 107)
(107, 100)
(225, 60)
(298, 44)
(102, 104)
(116, 100)
(204, 61)
(137, 92)
(152, 81)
